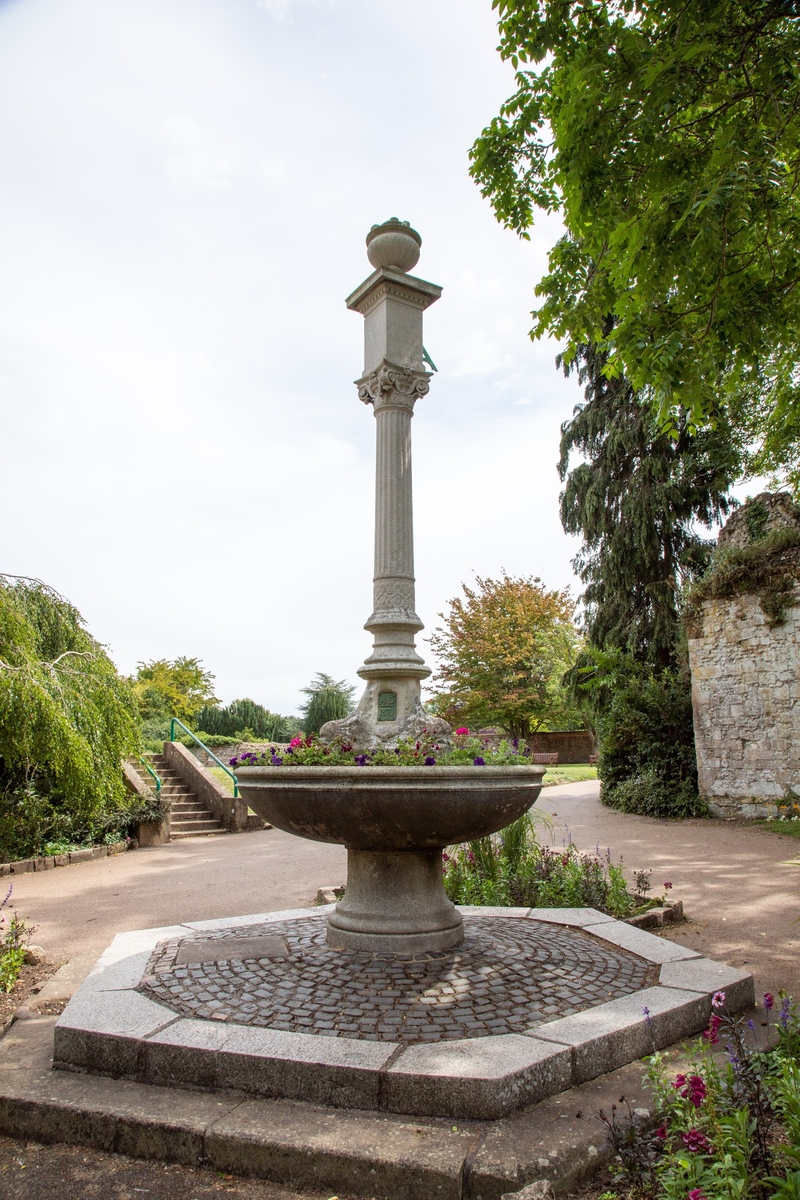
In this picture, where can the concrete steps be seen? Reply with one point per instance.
(188, 816)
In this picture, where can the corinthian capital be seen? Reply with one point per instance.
(391, 386)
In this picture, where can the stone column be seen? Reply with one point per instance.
(392, 303)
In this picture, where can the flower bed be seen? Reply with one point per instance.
(512, 868)
(728, 1125)
(466, 750)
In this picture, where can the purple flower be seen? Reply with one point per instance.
(783, 1016)
(276, 761)
(233, 762)
(647, 1017)
(479, 762)
(360, 760)
(430, 761)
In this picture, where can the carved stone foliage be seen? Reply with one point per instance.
(392, 386)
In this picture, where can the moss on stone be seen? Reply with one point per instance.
(768, 567)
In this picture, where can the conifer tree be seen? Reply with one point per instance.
(636, 500)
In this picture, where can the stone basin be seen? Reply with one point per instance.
(394, 822)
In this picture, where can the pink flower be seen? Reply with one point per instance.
(692, 1089)
(661, 1133)
(711, 1035)
(769, 1000)
(462, 732)
(717, 1000)
(696, 1142)
(695, 1194)
(667, 885)
(296, 741)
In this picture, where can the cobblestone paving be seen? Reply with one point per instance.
(508, 975)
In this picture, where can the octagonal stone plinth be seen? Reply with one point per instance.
(533, 1002)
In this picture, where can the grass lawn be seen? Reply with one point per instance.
(790, 828)
(571, 773)
(222, 777)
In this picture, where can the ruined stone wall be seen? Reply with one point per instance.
(746, 698)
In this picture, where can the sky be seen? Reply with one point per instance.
(186, 190)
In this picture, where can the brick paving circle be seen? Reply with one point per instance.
(508, 975)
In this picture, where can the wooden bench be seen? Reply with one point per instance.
(594, 759)
(546, 760)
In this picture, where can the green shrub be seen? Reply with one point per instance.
(67, 721)
(647, 761)
(242, 717)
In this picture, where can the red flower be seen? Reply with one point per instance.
(661, 1133)
(696, 1142)
(769, 1000)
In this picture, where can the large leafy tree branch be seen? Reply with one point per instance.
(502, 650)
(667, 134)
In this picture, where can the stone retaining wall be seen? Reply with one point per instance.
(746, 699)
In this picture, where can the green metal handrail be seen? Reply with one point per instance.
(150, 771)
(210, 753)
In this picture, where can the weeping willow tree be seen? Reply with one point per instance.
(67, 720)
(329, 699)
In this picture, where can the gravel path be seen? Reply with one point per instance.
(738, 883)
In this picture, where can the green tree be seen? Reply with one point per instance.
(329, 699)
(67, 720)
(241, 715)
(668, 137)
(177, 688)
(502, 651)
(636, 497)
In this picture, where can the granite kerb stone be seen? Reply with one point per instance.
(340, 1072)
(604, 1038)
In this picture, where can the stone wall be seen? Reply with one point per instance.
(746, 699)
(573, 746)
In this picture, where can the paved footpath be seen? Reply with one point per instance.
(78, 909)
(738, 885)
(740, 890)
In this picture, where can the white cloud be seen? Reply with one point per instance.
(197, 158)
(187, 189)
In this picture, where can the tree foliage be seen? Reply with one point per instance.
(668, 137)
(329, 699)
(643, 720)
(502, 651)
(242, 716)
(67, 719)
(177, 688)
(635, 498)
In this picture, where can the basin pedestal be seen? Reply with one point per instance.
(395, 904)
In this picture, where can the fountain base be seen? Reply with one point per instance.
(395, 903)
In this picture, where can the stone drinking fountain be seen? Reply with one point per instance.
(394, 821)
(240, 1040)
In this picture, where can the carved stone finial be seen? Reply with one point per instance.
(393, 244)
